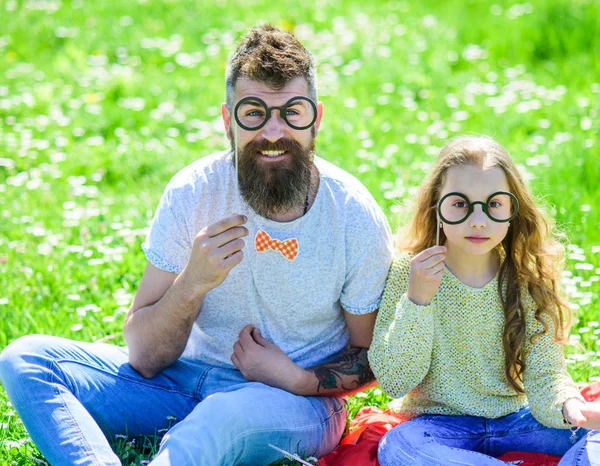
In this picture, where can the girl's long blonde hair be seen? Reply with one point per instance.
(532, 256)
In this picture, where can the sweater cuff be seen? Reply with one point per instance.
(406, 303)
(406, 306)
(577, 396)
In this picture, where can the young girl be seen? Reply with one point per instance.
(469, 332)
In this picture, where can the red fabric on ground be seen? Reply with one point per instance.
(531, 459)
(363, 453)
(373, 417)
(591, 392)
(359, 447)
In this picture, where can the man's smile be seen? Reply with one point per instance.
(273, 154)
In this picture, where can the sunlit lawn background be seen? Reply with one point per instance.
(102, 102)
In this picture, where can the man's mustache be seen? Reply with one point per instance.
(287, 145)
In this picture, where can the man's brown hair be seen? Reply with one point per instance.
(271, 56)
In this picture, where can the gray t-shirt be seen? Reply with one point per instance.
(294, 293)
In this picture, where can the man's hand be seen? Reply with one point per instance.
(586, 415)
(216, 250)
(259, 360)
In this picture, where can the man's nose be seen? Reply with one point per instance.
(274, 127)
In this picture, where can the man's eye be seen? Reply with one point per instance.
(254, 113)
(291, 112)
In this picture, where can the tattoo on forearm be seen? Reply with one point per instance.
(352, 362)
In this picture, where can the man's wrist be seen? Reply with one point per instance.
(303, 382)
(190, 290)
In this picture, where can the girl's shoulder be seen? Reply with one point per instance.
(400, 269)
(402, 259)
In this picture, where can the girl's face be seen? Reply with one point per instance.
(478, 234)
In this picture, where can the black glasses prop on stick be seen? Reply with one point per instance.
(454, 208)
(252, 113)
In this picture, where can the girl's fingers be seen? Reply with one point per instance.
(424, 255)
(433, 261)
(439, 274)
(436, 269)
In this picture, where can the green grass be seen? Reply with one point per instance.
(102, 102)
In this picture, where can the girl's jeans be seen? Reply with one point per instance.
(72, 396)
(468, 440)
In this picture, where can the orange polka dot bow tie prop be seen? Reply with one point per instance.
(288, 248)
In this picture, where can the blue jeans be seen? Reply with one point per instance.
(468, 440)
(72, 396)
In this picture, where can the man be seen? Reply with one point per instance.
(265, 268)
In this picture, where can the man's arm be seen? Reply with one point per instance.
(166, 305)
(159, 321)
(347, 373)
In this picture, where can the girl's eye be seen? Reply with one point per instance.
(460, 204)
(495, 204)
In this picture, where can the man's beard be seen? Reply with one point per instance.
(273, 188)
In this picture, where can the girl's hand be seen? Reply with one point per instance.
(586, 415)
(426, 272)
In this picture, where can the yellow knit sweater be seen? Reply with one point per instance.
(447, 357)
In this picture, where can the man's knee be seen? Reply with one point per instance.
(226, 429)
(225, 417)
(262, 415)
(206, 436)
(233, 414)
(23, 352)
